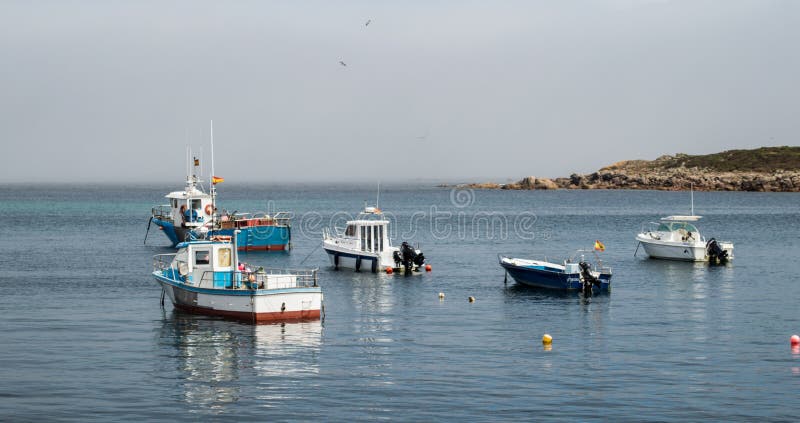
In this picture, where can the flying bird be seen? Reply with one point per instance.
(368, 21)
(343, 63)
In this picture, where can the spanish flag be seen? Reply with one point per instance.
(599, 246)
(216, 179)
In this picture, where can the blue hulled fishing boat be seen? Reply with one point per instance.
(192, 214)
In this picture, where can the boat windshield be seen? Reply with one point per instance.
(676, 226)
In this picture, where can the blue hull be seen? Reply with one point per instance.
(169, 230)
(551, 278)
(252, 238)
(263, 238)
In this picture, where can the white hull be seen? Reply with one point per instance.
(685, 251)
(680, 251)
(260, 305)
(347, 259)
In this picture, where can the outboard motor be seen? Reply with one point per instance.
(408, 257)
(715, 253)
(588, 278)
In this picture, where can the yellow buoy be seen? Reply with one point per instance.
(472, 299)
(547, 339)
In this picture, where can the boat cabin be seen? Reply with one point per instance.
(190, 207)
(369, 232)
(679, 228)
(207, 264)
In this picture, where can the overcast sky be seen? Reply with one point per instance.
(438, 90)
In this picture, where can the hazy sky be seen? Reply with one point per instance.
(443, 90)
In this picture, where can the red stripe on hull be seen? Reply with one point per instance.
(276, 247)
(279, 316)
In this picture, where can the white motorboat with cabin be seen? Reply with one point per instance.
(364, 244)
(677, 238)
(205, 277)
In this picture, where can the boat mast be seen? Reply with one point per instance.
(378, 199)
(691, 191)
(211, 181)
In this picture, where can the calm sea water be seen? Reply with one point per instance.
(85, 339)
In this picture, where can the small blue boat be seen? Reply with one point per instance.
(571, 275)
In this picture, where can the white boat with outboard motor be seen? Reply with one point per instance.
(364, 243)
(677, 238)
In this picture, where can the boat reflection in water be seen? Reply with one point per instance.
(221, 362)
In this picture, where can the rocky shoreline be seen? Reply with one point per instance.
(662, 174)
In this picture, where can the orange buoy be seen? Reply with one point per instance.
(428, 268)
(389, 270)
(795, 340)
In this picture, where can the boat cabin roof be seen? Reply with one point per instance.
(681, 218)
(183, 195)
(371, 216)
(186, 244)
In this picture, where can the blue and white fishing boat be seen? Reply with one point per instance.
(192, 214)
(205, 277)
(572, 274)
(364, 244)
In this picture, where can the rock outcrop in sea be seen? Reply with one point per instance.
(768, 169)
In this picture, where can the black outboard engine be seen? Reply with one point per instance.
(587, 278)
(715, 253)
(408, 257)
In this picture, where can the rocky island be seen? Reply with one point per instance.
(775, 169)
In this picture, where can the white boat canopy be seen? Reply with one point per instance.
(681, 218)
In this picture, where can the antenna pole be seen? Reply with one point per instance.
(212, 156)
(211, 182)
(378, 199)
(691, 190)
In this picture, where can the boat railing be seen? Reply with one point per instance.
(162, 211)
(261, 279)
(162, 261)
(282, 218)
(328, 233)
(598, 266)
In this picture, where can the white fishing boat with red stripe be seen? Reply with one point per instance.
(205, 277)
